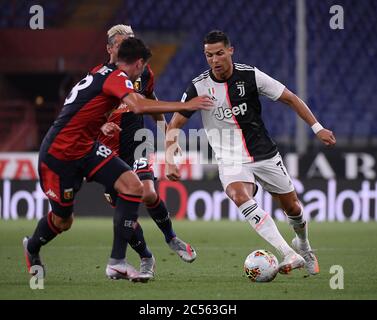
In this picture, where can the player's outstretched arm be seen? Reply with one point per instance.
(289, 98)
(159, 118)
(171, 146)
(140, 105)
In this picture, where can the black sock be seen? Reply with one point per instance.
(138, 243)
(43, 234)
(124, 223)
(159, 213)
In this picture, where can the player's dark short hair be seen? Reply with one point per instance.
(216, 36)
(133, 49)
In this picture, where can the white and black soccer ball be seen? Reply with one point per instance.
(261, 266)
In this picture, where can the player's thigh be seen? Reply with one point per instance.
(129, 183)
(145, 176)
(103, 166)
(238, 182)
(273, 176)
(230, 173)
(60, 181)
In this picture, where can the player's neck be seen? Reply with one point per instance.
(223, 76)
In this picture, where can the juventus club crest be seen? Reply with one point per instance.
(241, 88)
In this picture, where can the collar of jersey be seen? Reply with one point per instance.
(220, 81)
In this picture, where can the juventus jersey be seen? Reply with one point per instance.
(234, 127)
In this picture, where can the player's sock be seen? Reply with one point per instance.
(114, 262)
(138, 243)
(265, 226)
(159, 213)
(124, 223)
(300, 227)
(44, 233)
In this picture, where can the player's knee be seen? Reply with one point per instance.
(136, 188)
(239, 198)
(293, 208)
(129, 183)
(149, 197)
(62, 224)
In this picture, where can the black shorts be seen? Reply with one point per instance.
(143, 167)
(61, 180)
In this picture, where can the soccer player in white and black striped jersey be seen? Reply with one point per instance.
(243, 148)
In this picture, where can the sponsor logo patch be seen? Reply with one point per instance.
(68, 194)
(129, 84)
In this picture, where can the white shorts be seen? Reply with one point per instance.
(271, 174)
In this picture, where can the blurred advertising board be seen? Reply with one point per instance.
(330, 164)
(324, 200)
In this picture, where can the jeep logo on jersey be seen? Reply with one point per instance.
(241, 88)
(228, 113)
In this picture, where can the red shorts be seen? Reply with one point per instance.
(61, 180)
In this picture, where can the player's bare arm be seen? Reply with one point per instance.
(162, 124)
(323, 134)
(140, 105)
(171, 146)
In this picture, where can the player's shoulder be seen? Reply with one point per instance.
(203, 76)
(241, 67)
(105, 70)
(110, 76)
(96, 68)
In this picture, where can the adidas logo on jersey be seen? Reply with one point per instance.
(228, 113)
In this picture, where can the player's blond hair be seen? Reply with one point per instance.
(121, 29)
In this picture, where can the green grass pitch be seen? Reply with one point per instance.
(76, 263)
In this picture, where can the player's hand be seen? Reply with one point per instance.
(110, 128)
(327, 137)
(200, 103)
(172, 172)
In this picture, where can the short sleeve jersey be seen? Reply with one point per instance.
(234, 127)
(85, 110)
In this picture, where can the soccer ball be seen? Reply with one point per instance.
(261, 266)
